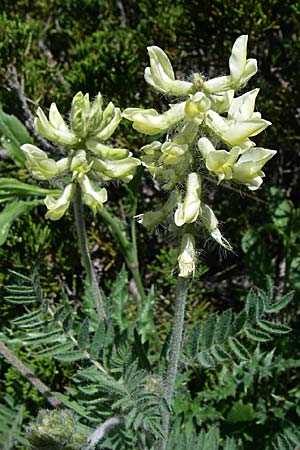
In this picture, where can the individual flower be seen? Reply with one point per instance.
(58, 207)
(149, 121)
(235, 132)
(94, 198)
(187, 256)
(40, 166)
(241, 69)
(55, 129)
(211, 223)
(160, 75)
(247, 170)
(188, 211)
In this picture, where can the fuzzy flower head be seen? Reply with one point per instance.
(209, 131)
(90, 160)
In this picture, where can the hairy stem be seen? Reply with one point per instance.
(30, 376)
(174, 352)
(103, 429)
(85, 255)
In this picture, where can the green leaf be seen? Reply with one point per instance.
(68, 322)
(83, 335)
(70, 356)
(251, 306)
(73, 405)
(239, 350)
(219, 353)
(271, 327)
(55, 350)
(98, 340)
(205, 359)
(240, 412)
(192, 343)
(208, 330)
(280, 304)
(282, 214)
(14, 134)
(257, 335)
(43, 338)
(239, 323)
(11, 212)
(222, 327)
(29, 317)
(21, 299)
(12, 187)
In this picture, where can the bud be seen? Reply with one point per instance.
(211, 223)
(40, 166)
(248, 168)
(196, 107)
(56, 430)
(188, 211)
(79, 165)
(152, 218)
(92, 197)
(160, 75)
(80, 111)
(111, 118)
(58, 207)
(172, 153)
(55, 129)
(96, 114)
(187, 255)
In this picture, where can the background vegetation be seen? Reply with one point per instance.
(51, 49)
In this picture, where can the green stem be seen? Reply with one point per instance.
(85, 255)
(128, 249)
(174, 352)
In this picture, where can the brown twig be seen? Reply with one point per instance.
(29, 119)
(30, 376)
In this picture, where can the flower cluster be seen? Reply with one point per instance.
(209, 126)
(88, 161)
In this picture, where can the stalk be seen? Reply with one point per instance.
(128, 249)
(30, 376)
(174, 352)
(85, 255)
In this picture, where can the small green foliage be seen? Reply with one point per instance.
(218, 339)
(56, 430)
